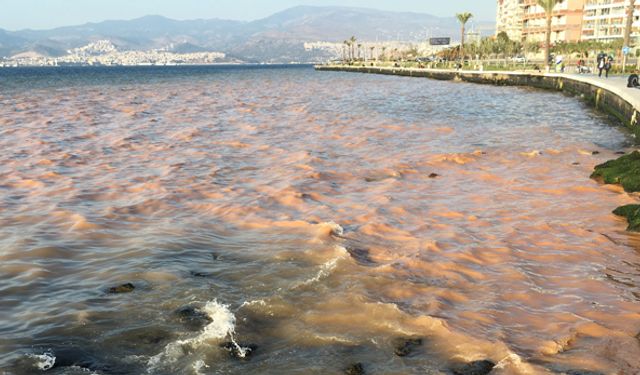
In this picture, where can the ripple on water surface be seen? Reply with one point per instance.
(279, 220)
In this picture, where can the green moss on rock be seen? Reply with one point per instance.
(632, 213)
(624, 171)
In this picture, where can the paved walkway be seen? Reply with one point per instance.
(615, 84)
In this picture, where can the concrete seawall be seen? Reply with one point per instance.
(611, 96)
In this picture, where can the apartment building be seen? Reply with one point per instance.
(566, 24)
(509, 18)
(605, 20)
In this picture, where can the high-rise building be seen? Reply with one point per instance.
(566, 24)
(509, 18)
(605, 20)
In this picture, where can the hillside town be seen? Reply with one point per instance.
(105, 53)
(388, 50)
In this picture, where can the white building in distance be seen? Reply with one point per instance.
(605, 20)
(509, 17)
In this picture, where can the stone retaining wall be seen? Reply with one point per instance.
(601, 98)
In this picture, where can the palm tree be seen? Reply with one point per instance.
(359, 49)
(384, 53)
(347, 44)
(344, 50)
(463, 18)
(353, 44)
(627, 30)
(372, 56)
(548, 6)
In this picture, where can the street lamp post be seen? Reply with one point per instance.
(627, 33)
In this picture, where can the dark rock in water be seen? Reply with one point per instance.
(137, 337)
(216, 257)
(576, 163)
(583, 372)
(124, 288)
(632, 213)
(620, 153)
(404, 347)
(76, 357)
(434, 175)
(355, 369)
(595, 153)
(624, 171)
(362, 256)
(239, 351)
(200, 274)
(475, 368)
(193, 317)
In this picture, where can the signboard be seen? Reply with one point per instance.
(440, 41)
(626, 50)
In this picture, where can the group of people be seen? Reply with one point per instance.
(604, 63)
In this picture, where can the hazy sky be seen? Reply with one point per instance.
(42, 14)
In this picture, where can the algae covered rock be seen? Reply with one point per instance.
(632, 213)
(404, 347)
(475, 368)
(624, 171)
(355, 369)
(124, 288)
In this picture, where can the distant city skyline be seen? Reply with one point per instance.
(46, 14)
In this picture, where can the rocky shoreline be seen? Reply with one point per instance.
(624, 171)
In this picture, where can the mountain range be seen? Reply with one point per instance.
(278, 38)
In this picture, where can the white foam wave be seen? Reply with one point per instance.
(198, 366)
(44, 361)
(327, 268)
(513, 363)
(336, 229)
(84, 370)
(222, 325)
(257, 302)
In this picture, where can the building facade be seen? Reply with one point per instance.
(566, 24)
(605, 20)
(509, 18)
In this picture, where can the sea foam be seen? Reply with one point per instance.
(327, 268)
(44, 361)
(222, 325)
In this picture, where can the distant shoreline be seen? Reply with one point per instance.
(309, 64)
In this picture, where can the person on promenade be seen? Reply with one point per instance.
(560, 63)
(601, 61)
(607, 65)
(582, 67)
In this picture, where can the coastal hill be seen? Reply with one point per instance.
(278, 38)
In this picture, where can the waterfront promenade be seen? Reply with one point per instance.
(615, 84)
(610, 95)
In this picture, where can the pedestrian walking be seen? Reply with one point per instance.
(602, 57)
(607, 66)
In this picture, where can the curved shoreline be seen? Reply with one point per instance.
(605, 95)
